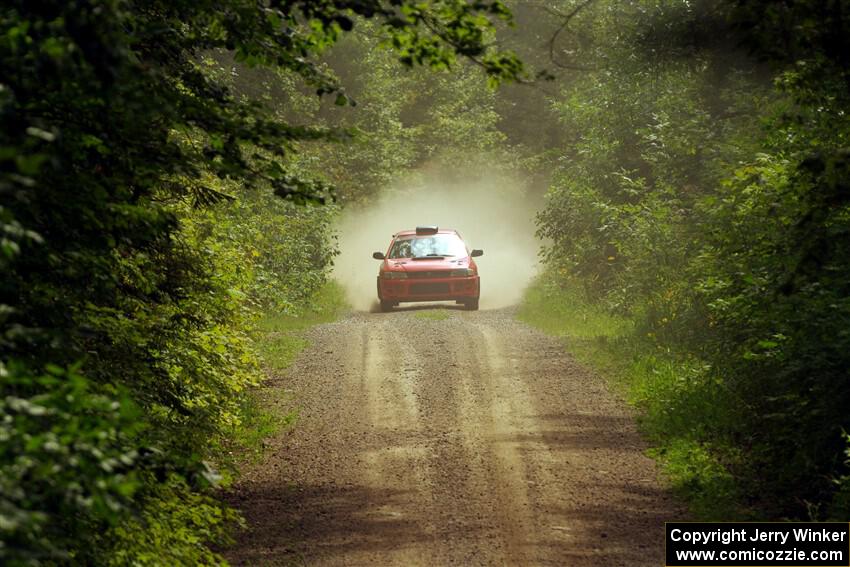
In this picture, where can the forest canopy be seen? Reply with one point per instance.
(168, 170)
(704, 196)
(126, 298)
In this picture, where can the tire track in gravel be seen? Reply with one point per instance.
(389, 375)
(473, 440)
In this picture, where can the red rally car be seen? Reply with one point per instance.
(428, 264)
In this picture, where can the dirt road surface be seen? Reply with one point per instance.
(473, 440)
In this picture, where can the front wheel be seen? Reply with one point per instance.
(471, 304)
(386, 306)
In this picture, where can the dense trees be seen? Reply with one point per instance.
(698, 161)
(705, 195)
(125, 297)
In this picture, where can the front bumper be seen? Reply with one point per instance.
(428, 289)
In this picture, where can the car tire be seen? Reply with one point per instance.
(387, 305)
(471, 304)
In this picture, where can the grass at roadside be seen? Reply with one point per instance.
(670, 392)
(280, 338)
(281, 335)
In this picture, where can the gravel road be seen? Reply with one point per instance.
(472, 440)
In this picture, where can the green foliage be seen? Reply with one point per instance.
(259, 421)
(559, 308)
(772, 280)
(142, 147)
(405, 118)
(176, 527)
(139, 234)
(273, 251)
(279, 339)
(67, 462)
(709, 205)
(281, 334)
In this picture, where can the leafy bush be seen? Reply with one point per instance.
(68, 463)
(176, 528)
(127, 264)
(709, 205)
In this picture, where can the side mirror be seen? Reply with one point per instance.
(378, 255)
(476, 253)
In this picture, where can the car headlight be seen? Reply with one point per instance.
(463, 273)
(394, 275)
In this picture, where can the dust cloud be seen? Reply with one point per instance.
(494, 213)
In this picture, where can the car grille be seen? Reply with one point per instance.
(426, 288)
(433, 274)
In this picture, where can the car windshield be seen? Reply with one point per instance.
(425, 246)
